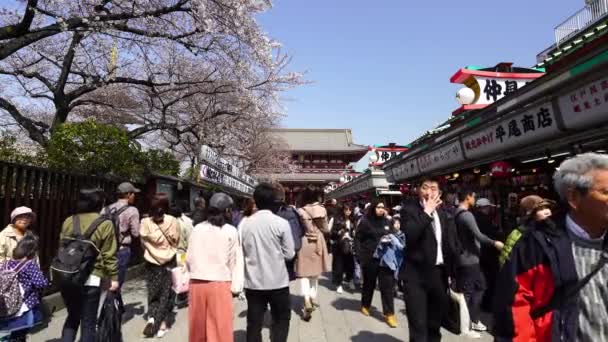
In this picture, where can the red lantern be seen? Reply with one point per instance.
(404, 188)
(500, 169)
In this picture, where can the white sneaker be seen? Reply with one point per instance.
(478, 326)
(161, 333)
(340, 289)
(472, 334)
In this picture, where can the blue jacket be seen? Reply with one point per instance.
(391, 253)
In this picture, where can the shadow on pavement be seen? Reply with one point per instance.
(132, 310)
(349, 304)
(365, 336)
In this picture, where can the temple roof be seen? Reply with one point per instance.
(319, 140)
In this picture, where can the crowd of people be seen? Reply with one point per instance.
(546, 279)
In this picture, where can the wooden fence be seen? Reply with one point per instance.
(51, 195)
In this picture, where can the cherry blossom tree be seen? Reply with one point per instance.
(178, 73)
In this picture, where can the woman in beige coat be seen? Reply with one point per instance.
(160, 236)
(313, 258)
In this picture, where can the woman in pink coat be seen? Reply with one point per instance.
(313, 258)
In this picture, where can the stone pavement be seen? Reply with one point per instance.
(337, 320)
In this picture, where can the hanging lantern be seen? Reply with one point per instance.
(500, 169)
(404, 188)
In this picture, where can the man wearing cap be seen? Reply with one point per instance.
(128, 225)
(21, 220)
(533, 210)
(553, 285)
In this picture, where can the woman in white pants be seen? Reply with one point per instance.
(313, 258)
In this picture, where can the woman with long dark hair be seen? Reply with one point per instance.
(342, 235)
(372, 231)
(160, 237)
(215, 262)
(313, 258)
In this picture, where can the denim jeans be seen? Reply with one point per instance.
(124, 255)
(82, 304)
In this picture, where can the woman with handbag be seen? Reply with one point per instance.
(160, 235)
(312, 259)
(215, 263)
(343, 263)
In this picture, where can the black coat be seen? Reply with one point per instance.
(421, 251)
(368, 235)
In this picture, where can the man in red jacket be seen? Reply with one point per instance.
(537, 295)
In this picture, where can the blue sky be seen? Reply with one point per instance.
(382, 67)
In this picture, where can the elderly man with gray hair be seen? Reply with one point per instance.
(554, 285)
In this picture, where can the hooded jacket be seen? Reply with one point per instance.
(541, 264)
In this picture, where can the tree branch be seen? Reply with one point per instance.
(29, 74)
(13, 31)
(32, 127)
(67, 64)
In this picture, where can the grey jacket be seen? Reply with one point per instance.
(470, 237)
(267, 243)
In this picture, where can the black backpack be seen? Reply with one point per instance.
(297, 228)
(77, 255)
(114, 215)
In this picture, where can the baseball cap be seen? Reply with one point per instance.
(484, 202)
(531, 203)
(126, 187)
(220, 201)
(20, 211)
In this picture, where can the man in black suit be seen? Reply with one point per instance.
(430, 252)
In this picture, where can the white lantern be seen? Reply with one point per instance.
(373, 158)
(465, 96)
(342, 179)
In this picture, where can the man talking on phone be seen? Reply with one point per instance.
(431, 249)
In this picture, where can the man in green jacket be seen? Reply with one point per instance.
(82, 302)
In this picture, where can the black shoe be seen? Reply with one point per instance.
(307, 314)
(149, 330)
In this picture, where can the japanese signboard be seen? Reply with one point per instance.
(406, 170)
(530, 126)
(445, 156)
(212, 174)
(212, 157)
(493, 89)
(585, 106)
(386, 153)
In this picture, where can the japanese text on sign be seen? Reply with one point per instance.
(529, 126)
(445, 156)
(585, 106)
(211, 174)
(405, 170)
(493, 89)
(212, 157)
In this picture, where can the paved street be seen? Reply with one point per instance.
(337, 320)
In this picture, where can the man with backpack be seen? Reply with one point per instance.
(469, 278)
(125, 218)
(86, 257)
(290, 214)
(553, 285)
